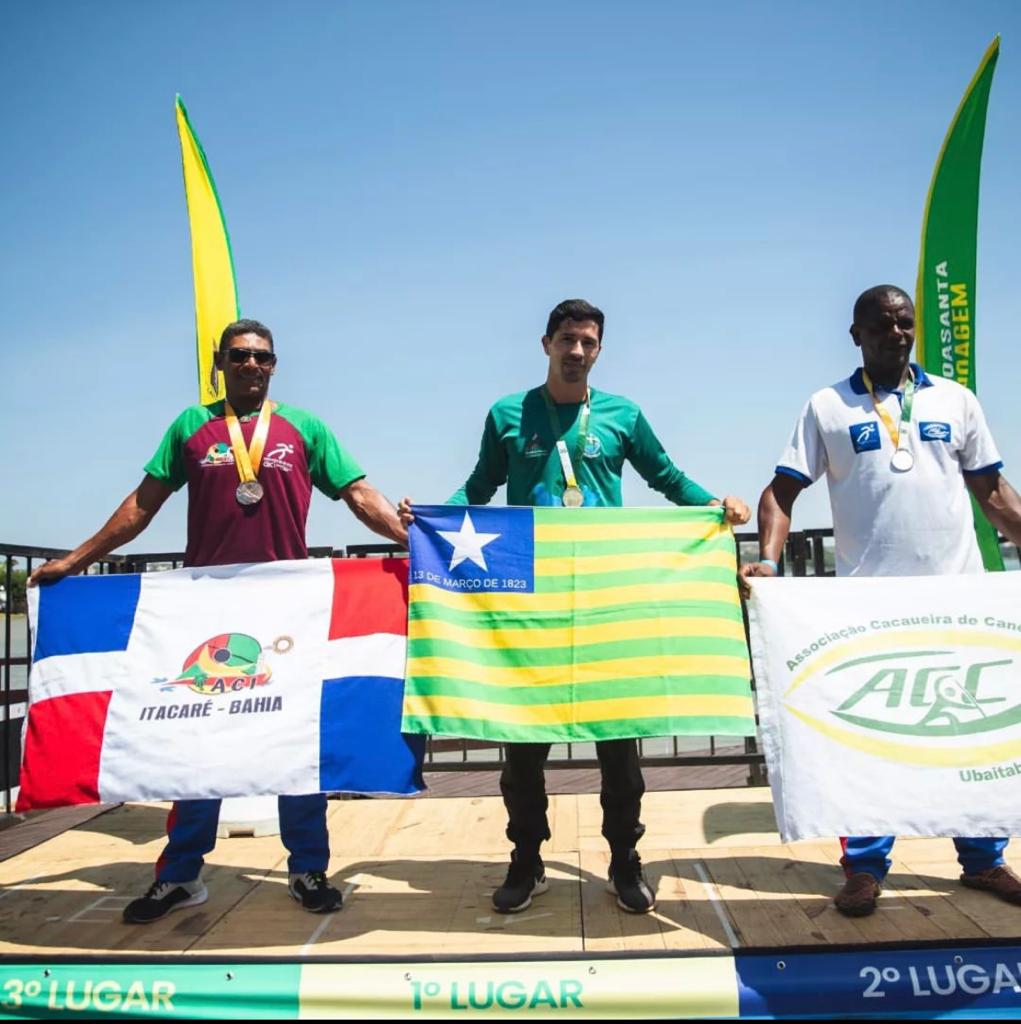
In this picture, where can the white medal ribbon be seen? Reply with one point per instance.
(565, 463)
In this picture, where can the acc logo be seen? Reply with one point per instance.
(593, 446)
(225, 663)
(865, 436)
(934, 431)
(218, 455)
(935, 698)
(916, 704)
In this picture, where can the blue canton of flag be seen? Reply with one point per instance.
(865, 436)
(474, 548)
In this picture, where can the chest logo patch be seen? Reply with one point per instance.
(934, 431)
(865, 436)
(593, 447)
(277, 458)
(534, 449)
(218, 455)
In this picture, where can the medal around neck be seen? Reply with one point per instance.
(248, 460)
(249, 492)
(902, 460)
(573, 498)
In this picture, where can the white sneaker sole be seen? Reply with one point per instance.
(612, 890)
(537, 890)
(192, 901)
(309, 910)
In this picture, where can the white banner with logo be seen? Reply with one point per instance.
(890, 706)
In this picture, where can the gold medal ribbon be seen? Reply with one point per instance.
(248, 459)
(905, 417)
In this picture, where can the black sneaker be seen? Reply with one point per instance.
(314, 893)
(526, 877)
(629, 885)
(163, 897)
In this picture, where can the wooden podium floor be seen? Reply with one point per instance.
(418, 874)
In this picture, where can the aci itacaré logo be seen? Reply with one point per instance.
(903, 697)
(227, 663)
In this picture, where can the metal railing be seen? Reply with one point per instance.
(807, 553)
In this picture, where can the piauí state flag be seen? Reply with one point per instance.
(558, 625)
(237, 680)
(216, 299)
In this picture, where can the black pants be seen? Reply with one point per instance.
(523, 784)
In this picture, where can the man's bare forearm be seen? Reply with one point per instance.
(375, 511)
(1000, 502)
(121, 528)
(775, 510)
(131, 517)
(774, 524)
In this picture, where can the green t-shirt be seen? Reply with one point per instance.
(518, 448)
(301, 453)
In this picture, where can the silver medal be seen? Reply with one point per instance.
(573, 498)
(902, 460)
(249, 492)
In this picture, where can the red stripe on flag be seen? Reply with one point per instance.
(63, 745)
(370, 595)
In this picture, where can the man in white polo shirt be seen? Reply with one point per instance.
(900, 451)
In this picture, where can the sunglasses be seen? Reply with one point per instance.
(238, 356)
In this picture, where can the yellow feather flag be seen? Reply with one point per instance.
(216, 299)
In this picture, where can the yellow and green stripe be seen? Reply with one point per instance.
(634, 628)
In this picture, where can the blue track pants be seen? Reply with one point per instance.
(872, 854)
(191, 834)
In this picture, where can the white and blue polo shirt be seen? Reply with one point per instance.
(886, 522)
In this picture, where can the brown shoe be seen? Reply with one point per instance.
(1000, 881)
(859, 895)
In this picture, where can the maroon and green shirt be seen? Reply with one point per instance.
(301, 452)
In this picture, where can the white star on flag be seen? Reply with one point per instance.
(467, 544)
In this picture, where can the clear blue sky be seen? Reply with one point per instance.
(411, 186)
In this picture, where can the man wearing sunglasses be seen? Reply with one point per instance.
(250, 466)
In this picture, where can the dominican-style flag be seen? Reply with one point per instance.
(219, 681)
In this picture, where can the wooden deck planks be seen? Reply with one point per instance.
(419, 874)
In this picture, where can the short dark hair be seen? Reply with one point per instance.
(239, 327)
(574, 309)
(868, 299)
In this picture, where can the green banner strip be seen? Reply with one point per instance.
(671, 988)
(173, 990)
(945, 294)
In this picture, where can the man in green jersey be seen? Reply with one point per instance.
(565, 443)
